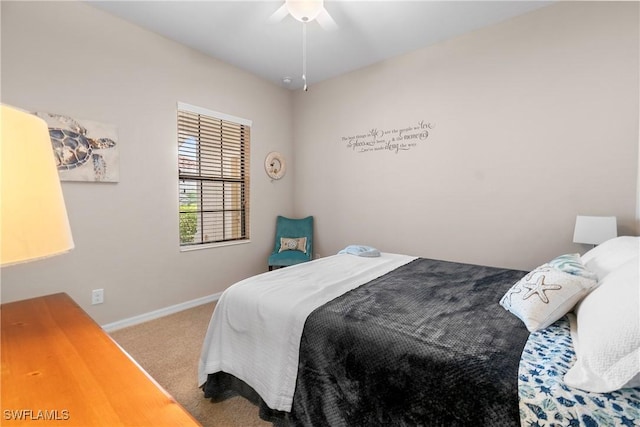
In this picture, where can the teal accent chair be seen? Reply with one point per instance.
(293, 228)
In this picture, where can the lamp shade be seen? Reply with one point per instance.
(33, 215)
(594, 229)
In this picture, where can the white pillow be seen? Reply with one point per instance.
(545, 295)
(611, 254)
(607, 337)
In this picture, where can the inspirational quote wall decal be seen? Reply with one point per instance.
(389, 140)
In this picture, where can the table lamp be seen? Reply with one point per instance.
(594, 230)
(34, 221)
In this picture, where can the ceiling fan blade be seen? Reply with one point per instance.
(278, 15)
(326, 21)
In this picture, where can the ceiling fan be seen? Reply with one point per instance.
(305, 11)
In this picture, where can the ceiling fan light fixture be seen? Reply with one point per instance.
(305, 10)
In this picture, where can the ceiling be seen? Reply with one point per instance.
(239, 32)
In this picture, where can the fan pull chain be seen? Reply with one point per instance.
(304, 55)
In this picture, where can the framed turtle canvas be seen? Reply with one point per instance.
(84, 150)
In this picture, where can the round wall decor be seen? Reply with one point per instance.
(274, 165)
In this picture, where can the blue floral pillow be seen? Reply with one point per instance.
(572, 264)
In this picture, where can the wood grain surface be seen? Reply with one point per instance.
(60, 368)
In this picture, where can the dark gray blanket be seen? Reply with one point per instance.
(427, 344)
(424, 345)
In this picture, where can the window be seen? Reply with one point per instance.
(213, 174)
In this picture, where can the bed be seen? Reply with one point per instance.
(396, 340)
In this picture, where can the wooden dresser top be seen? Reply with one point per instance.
(60, 368)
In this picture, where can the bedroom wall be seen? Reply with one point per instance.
(88, 64)
(532, 122)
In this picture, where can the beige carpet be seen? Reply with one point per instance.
(168, 349)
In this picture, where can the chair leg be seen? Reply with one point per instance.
(270, 267)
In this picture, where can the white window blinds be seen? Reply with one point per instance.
(213, 174)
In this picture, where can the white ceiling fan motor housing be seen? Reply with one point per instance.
(305, 10)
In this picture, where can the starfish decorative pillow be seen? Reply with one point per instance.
(545, 295)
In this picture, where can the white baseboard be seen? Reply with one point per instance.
(109, 327)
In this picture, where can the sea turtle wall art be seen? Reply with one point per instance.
(84, 150)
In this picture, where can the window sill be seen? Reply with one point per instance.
(213, 245)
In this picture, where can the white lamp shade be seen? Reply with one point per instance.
(305, 10)
(33, 215)
(594, 230)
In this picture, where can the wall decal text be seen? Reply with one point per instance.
(393, 140)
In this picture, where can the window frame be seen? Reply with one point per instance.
(244, 180)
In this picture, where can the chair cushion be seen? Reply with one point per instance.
(287, 258)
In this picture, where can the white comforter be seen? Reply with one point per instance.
(255, 330)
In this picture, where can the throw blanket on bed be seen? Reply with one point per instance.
(255, 330)
(425, 345)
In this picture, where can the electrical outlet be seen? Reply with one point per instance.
(97, 296)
